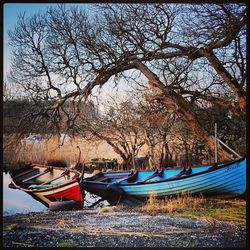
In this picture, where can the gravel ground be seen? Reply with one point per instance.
(116, 228)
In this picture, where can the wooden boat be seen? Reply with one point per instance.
(48, 184)
(99, 184)
(222, 180)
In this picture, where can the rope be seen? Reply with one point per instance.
(119, 200)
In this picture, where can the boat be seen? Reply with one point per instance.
(99, 184)
(49, 184)
(221, 180)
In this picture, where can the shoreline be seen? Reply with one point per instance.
(117, 227)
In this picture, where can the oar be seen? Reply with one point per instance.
(183, 172)
(156, 173)
(66, 172)
(130, 176)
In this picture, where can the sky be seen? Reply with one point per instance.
(10, 12)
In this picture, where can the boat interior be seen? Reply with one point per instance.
(41, 177)
(139, 177)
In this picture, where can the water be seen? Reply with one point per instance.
(17, 201)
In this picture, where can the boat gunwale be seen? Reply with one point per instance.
(186, 176)
(34, 165)
(35, 190)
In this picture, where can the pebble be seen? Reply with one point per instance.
(90, 228)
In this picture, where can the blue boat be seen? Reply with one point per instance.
(222, 180)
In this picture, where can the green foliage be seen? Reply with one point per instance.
(66, 244)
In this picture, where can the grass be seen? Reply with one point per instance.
(105, 209)
(17, 227)
(66, 244)
(209, 210)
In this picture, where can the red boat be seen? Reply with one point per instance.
(49, 184)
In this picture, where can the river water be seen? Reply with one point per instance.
(16, 201)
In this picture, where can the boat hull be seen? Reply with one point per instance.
(100, 189)
(71, 191)
(225, 181)
(48, 186)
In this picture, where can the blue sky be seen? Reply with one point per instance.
(11, 11)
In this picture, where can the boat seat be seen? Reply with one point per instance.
(19, 172)
(29, 171)
(95, 177)
(41, 186)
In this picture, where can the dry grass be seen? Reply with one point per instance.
(105, 209)
(50, 150)
(170, 205)
(212, 211)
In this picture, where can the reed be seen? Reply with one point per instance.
(50, 150)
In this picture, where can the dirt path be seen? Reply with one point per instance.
(91, 228)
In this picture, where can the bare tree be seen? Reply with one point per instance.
(118, 126)
(156, 122)
(63, 54)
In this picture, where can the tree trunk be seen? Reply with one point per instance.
(184, 110)
(150, 154)
(228, 78)
(166, 157)
(126, 158)
(189, 118)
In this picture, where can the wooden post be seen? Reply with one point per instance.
(220, 141)
(83, 170)
(215, 144)
(133, 160)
